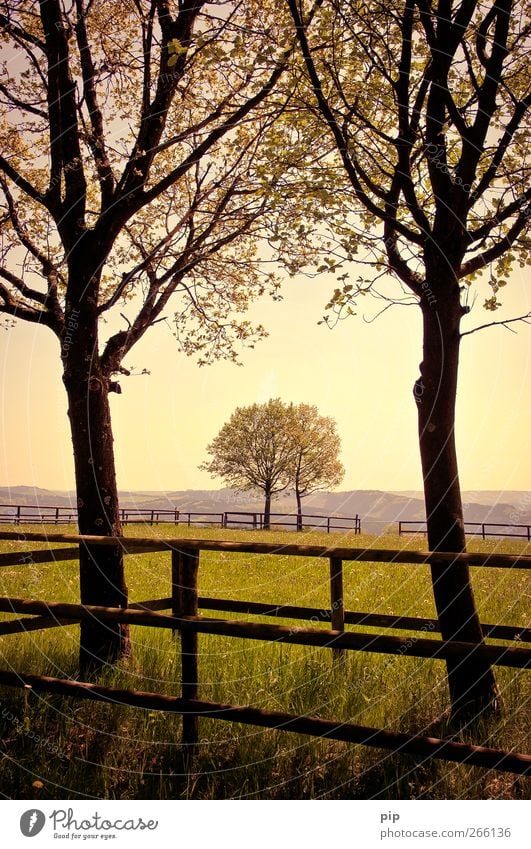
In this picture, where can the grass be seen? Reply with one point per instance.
(77, 749)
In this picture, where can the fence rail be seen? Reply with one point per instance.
(184, 604)
(482, 529)
(309, 521)
(20, 514)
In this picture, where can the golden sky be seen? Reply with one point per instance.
(359, 373)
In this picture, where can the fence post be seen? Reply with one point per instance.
(185, 565)
(336, 600)
(328, 525)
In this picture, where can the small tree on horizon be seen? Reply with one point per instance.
(254, 450)
(316, 448)
(275, 447)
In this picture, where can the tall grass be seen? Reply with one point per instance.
(100, 750)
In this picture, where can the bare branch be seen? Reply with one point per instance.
(27, 107)
(522, 318)
(18, 309)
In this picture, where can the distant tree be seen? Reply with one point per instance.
(254, 450)
(275, 447)
(316, 446)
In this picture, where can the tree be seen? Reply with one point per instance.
(426, 105)
(275, 447)
(129, 135)
(316, 446)
(254, 450)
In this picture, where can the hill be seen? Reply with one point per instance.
(375, 507)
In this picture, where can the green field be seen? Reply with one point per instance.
(88, 749)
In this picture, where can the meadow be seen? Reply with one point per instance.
(57, 748)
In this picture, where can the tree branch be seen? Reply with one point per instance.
(22, 183)
(522, 318)
(497, 250)
(97, 137)
(17, 309)
(65, 149)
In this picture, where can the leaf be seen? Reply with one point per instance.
(175, 47)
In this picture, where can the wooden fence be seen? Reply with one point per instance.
(309, 521)
(33, 514)
(184, 602)
(476, 529)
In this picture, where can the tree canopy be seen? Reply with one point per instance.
(276, 447)
(254, 450)
(137, 144)
(427, 109)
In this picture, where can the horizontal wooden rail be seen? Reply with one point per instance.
(284, 611)
(519, 658)
(31, 623)
(482, 529)
(396, 742)
(136, 545)
(351, 617)
(25, 558)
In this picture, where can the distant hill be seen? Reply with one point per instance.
(375, 507)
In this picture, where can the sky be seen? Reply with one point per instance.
(360, 373)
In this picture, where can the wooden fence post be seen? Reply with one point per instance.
(337, 606)
(185, 565)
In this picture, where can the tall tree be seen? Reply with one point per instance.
(426, 104)
(255, 450)
(316, 445)
(129, 132)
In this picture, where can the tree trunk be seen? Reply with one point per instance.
(267, 511)
(471, 682)
(101, 569)
(299, 509)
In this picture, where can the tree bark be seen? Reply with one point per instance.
(299, 509)
(267, 511)
(101, 569)
(471, 682)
